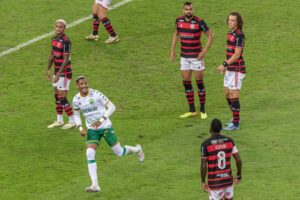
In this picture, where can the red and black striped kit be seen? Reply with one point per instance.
(218, 150)
(190, 35)
(60, 46)
(235, 39)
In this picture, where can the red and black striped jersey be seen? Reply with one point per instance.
(190, 35)
(236, 39)
(218, 150)
(60, 46)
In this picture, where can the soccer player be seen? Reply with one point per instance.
(100, 8)
(216, 152)
(189, 29)
(97, 109)
(61, 57)
(234, 67)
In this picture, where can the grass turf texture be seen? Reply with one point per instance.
(38, 163)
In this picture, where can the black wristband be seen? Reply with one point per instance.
(225, 64)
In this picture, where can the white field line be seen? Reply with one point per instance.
(79, 21)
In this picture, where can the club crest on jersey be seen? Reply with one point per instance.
(91, 101)
(192, 26)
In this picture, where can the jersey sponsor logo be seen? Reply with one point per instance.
(87, 110)
(224, 175)
(192, 26)
(185, 35)
(221, 146)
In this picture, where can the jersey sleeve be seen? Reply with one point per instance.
(203, 26)
(75, 104)
(204, 153)
(234, 150)
(101, 98)
(240, 40)
(67, 47)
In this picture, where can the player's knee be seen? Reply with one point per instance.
(90, 154)
(118, 151)
(101, 16)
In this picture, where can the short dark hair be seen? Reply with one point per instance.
(187, 3)
(80, 78)
(240, 21)
(215, 126)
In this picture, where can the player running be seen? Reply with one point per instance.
(216, 152)
(100, 8)
(61, 57)
(234, 68)
(189, 29)
(97, 108)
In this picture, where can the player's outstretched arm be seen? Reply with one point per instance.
(238, 162)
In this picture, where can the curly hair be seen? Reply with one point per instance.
(239, 19)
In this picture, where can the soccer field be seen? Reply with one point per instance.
(136, 74)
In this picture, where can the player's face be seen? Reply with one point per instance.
(83, 87)
(232, 22)
(59, 28)
(188, 11)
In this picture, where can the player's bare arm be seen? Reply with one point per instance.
(238, 162)
(203, 174)
(208, 44)
(62, 68)
(232, 59)
(173, 46)
(50, 62)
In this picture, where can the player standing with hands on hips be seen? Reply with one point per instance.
(97, 108)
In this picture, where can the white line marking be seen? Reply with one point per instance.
(16, 48)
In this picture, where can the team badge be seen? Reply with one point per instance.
(91, 101)
(192, 26)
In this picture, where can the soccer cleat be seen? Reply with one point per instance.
(188, 114)
(111, 39)
(203, 115)
(68, 126)
(55, 124)
(92, 37)
(140, 153)
(93, 188)
(231, 121)
(231, 127)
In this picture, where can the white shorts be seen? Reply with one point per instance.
(104, 3)
(191, 64)
(220, 194)
(62, 84)
(233, 80)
